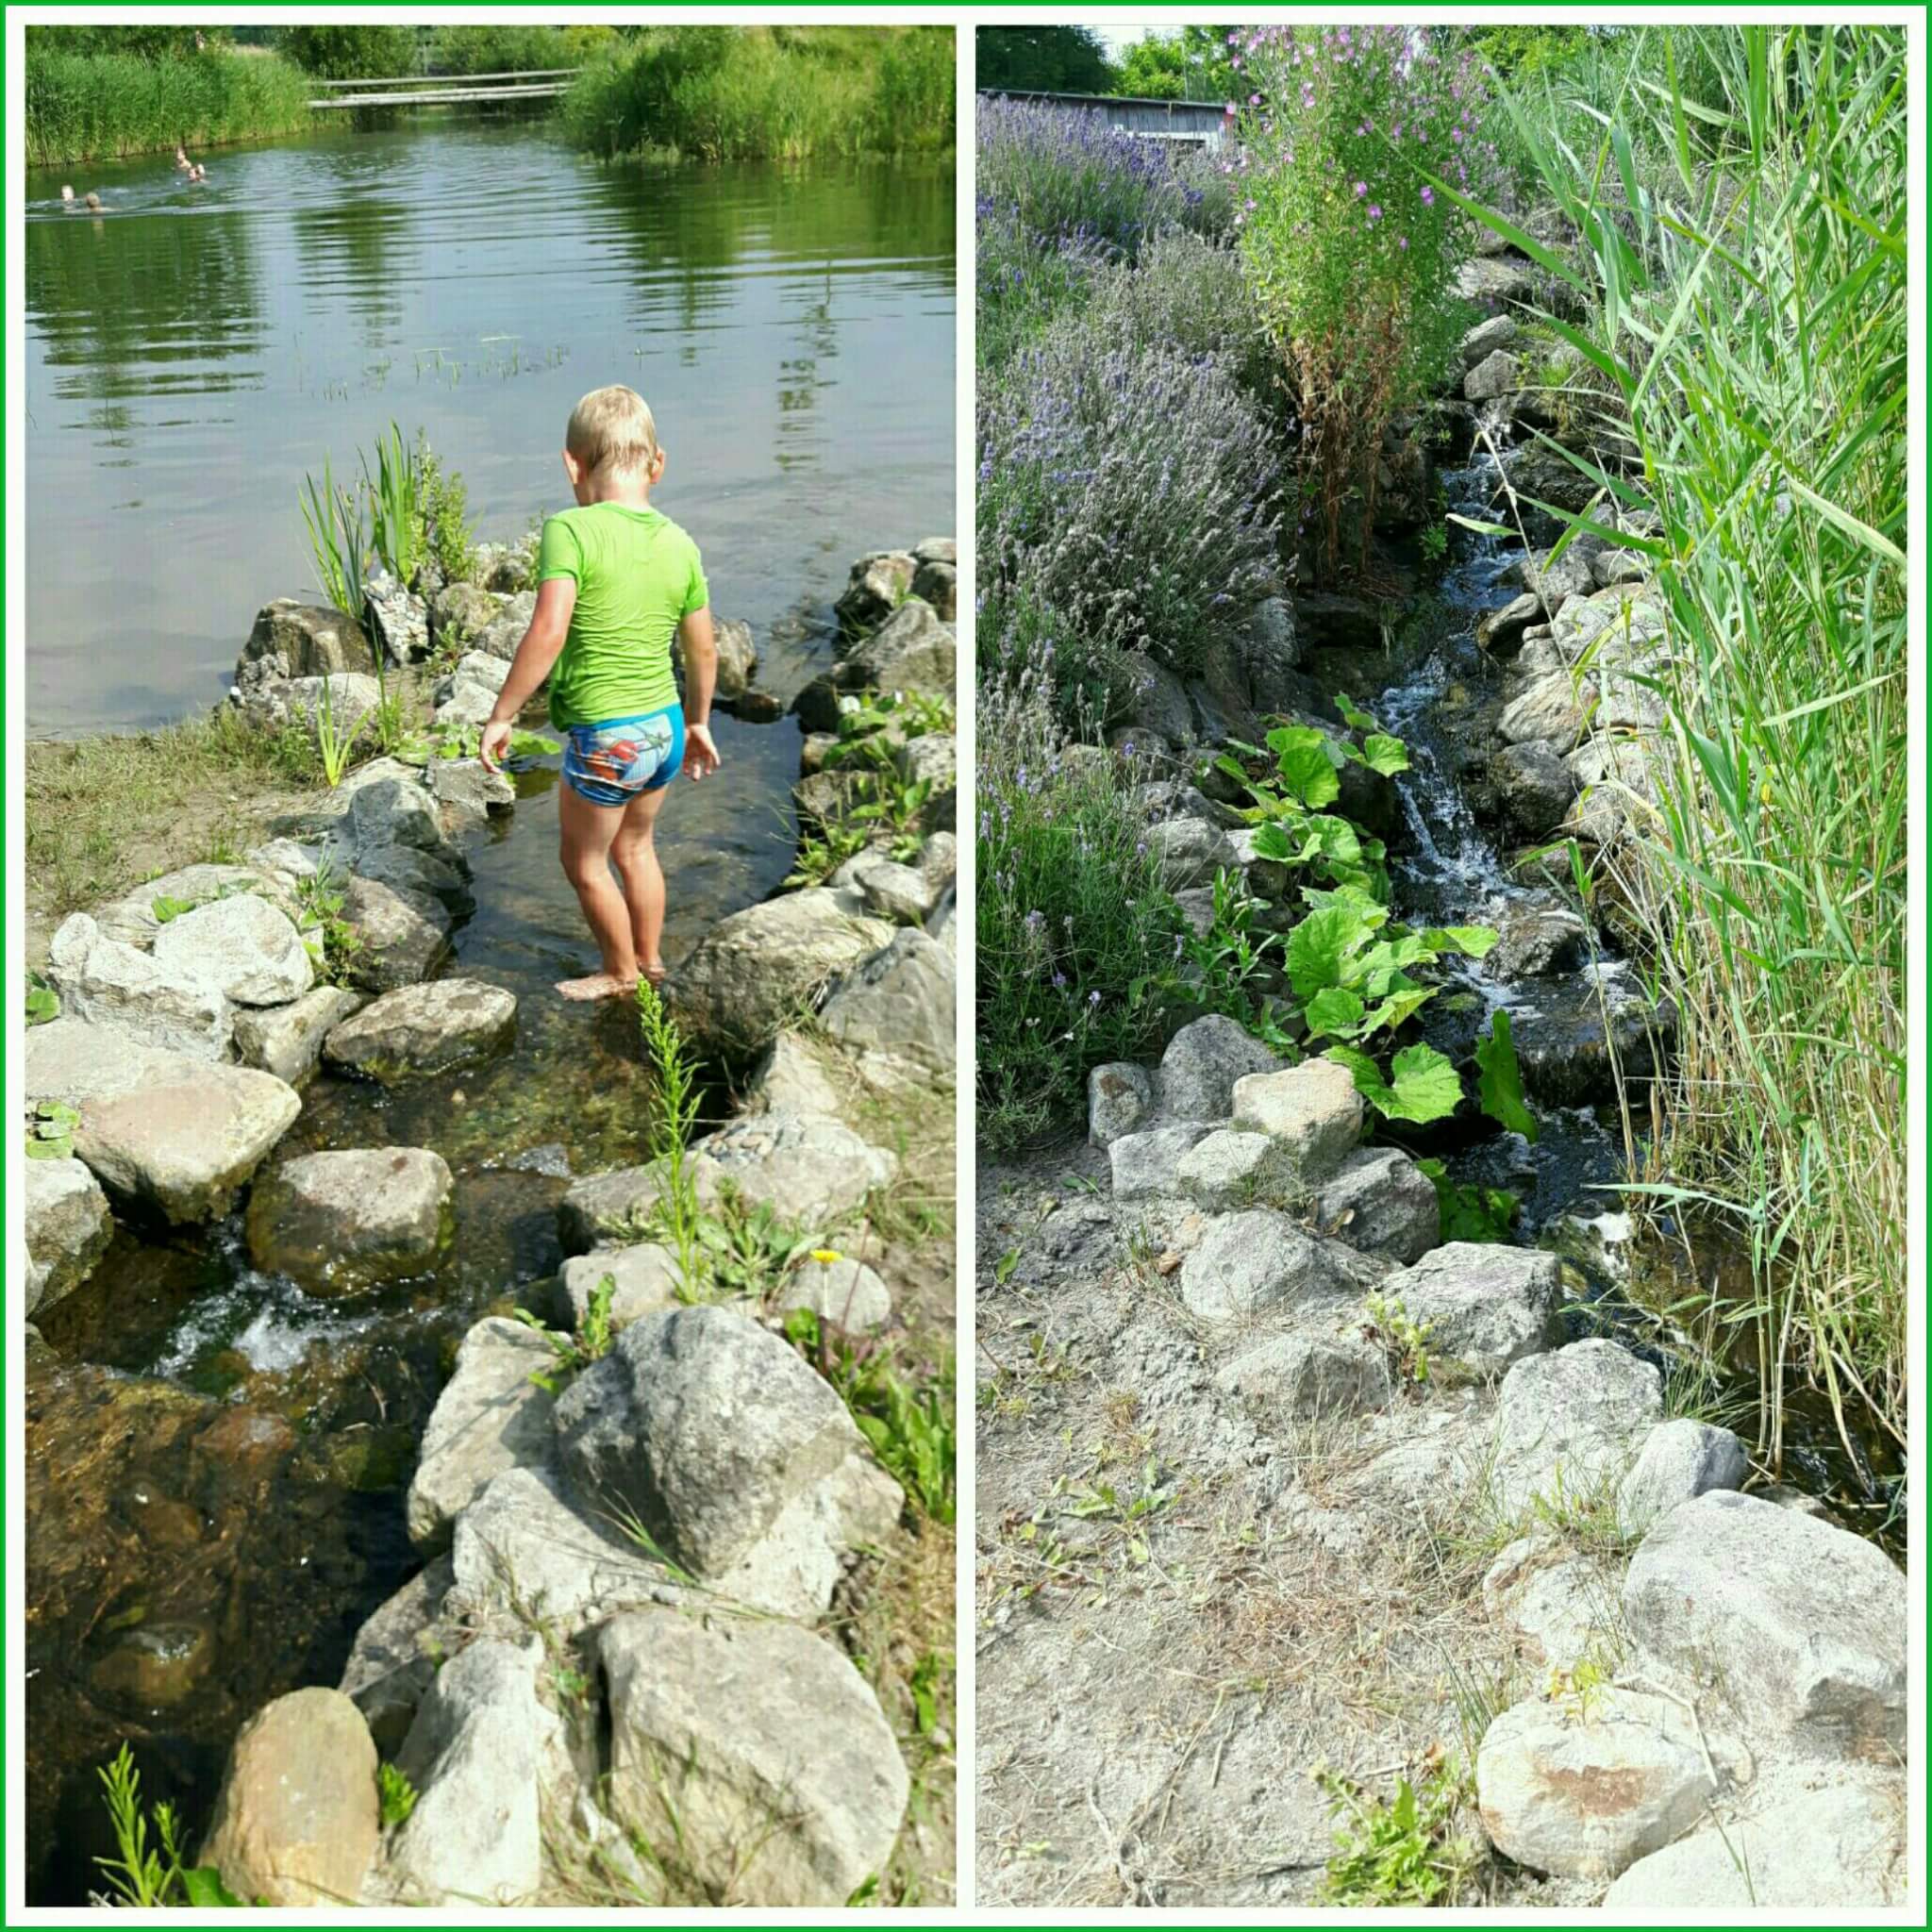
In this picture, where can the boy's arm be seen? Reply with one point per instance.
(557, 597)
(700, 645)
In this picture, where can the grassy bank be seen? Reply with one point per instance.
(85, 106)
(1757, 339)
(723, 93)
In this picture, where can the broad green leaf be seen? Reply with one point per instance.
(43, 1003)
(1473, 941)
(204, 1887)
(166, 910)
(1308, 769)
(1393, 1010)
(1356, 720)
(1384, 754)
(1470, 1212)
(49, 1150)
(1320, 949)
(1272, 842)
(1499, 1079)
(1424, 1086)
(1334, 1011)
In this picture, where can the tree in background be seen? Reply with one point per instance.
(143, 42)
(1044, 60)
(1191, 65)
(1525, 50)
(351, 53)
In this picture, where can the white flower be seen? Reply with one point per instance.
(847, 706)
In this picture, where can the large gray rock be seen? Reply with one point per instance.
(424, 1029)
(1486, 337)
(757, 971)
(1312, 1111)
(111, 983)
(481, 1753)
(243, 947)
(1271, 652)
(1535, 789)
(1563, 1606)
(398, 618)
(1191, 851)
(459, 610)
(900, 1002)
(133, 920)
(1582, 1791)
(389, 802)
(706, 1426)
(1304, 1377)
(295, 640)
(1835, 1847)
(467, 693)
(1261, 1260)
(1381, 1203)
(912, 651)
(811, 1172)
(795, 1076)
(403, 936)
(758, 1748)
(287, 1041)
(1231, 1169)
(879, 584)
(1486, 1304)
(338, 1221)
(468, 790)
(1537, 941)
(1201, 1065)
(342, 701)
(1119, 1096)
(1501, 631)
(1497, 375)
(1553, 710)
(501, 634)
(1142, 1165)
(643, 1276)
(295, 1821)
(1799, 1627)
(490, 1417)
(394, 1657)
(1569, 1425)
(68, 1226)
(1679, 1459)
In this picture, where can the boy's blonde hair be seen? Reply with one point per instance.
(612, 429)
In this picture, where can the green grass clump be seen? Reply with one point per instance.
(1743, 267)
(727, 94)
(82, 107)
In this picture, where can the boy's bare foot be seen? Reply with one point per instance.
(656, 974)
(597, 986)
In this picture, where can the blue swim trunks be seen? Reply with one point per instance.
(611, 762)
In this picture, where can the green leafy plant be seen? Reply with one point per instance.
(574, 1352)
(821, 854)
(443, 500)
(43, 1002)
(748, 1247)
(674, 1116)
(1221, 965)
(1469, 1212)
(1499, 1079)
(337, 540)
(52, 1138)
(395, 1796)
(166, 911)
(145, 1875)
(1404, 1851)
(396, 505)
(335, 739)
(1406, 1339)
(333, 944)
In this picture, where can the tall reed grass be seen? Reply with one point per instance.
(1744, 261)
(84, 107)
(725, 94)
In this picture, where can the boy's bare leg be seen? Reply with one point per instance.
(587, 832)
(634, 852)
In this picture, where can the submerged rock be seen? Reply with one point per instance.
(425, 1029)
(738, 660)
(338, 1221)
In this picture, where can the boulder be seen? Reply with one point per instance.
(401, 937)
(1381, 1203)
(110, 983)
(902, 894)
(1570, 576)
(342, 700)
(424, 1029)
(1553, 710)
(481, 1753)
(1800, 1627)
(706, 1426)
(758, 1749)
(756, 970)
(287, 1041)
(1120, 1095)
(490, 1417)
(812, 1172)
(643, 1276)
(1608, 569)
(1679, 1459)
(1261, 1260)
(1535, 789)
(793, 1077)
(1499, 373)
(936, 550)
(467, 694)
(417, 875)
(1191, 851)
(394, 1658)
(67, 1225)
(1486, 337)
(459, 611)
(1564, 1607)
(1143, 1164)
(1569, 1424)
(900, 1003)
(1312, 1111)
(1305, 1378)
(1486, 1305)
(912, 651)
(842, 1290)
(338, 1221)
(1231, 1169)
(1537, 941)
(501, 634)
(246, 949)
(1202, 1063)
(1500, 631)
(1833, 1848)
(1582, 1788)
(133, 920)
(468, 790)
(932, 760)
(1271, 652)
(1569, 1031)
(1150, 698)
(877, 586)
(295, 640)
(937, 582)
(296, 1822)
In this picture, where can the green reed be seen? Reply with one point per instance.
(82, 107)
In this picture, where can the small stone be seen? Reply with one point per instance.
(1313, 1110)
(470, 789)
(1537, 943)
(738, 658)
(1381, 1203)
(842, 1291)
(1309, 1376)
(417, 1030)
(154, 1666)
(1679, 1459)
(1120, 1095)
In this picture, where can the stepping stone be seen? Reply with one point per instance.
(338, 1221)
(416, 1030)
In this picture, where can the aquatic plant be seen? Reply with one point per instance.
(396, 505)
(145, 1875)
(337, 540)
(1351, 248)
(87, 105)
(1743, 257)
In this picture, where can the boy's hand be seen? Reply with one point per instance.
(700, 753)
(496, 742)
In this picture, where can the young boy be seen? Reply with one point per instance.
(615, 579)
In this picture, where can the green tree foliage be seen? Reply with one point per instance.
(143, 41)
(1047, 60)
(351, 53)
(1190, 65)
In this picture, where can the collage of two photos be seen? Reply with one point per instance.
(782, 776)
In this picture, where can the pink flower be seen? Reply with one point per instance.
(1231, 108)
(1374, 211)
(1428, 196)
(1362, 188)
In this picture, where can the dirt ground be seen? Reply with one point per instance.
(1184, 1615)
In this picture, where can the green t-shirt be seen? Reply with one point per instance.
(639, 576)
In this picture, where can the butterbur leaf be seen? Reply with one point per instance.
(1473, 941)
(1422, 1085)
(1336, 1010)
(1397, 1008)
(1272, 842)
(1306, 769)
(1320, 949)
(58, 1149)
(1499, 1079)
(43, 1003)
(1384, 754)
(166, 910)
(1356, 720)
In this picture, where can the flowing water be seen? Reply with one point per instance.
(216, 1474)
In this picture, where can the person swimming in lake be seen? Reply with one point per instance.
(616, 582)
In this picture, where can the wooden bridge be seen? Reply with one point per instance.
(426, 89)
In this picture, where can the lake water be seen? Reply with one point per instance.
(191, 353)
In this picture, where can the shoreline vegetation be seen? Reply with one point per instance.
(708, 94)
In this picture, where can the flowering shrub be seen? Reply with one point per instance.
(1071, 909)
(1352, 252)
(1130, 488)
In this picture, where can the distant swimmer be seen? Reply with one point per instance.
(197, 173)
(94, 204)
(67, 200)
(181, 160)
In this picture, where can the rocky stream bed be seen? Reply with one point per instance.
(296, 1505)
(1237, 1556)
